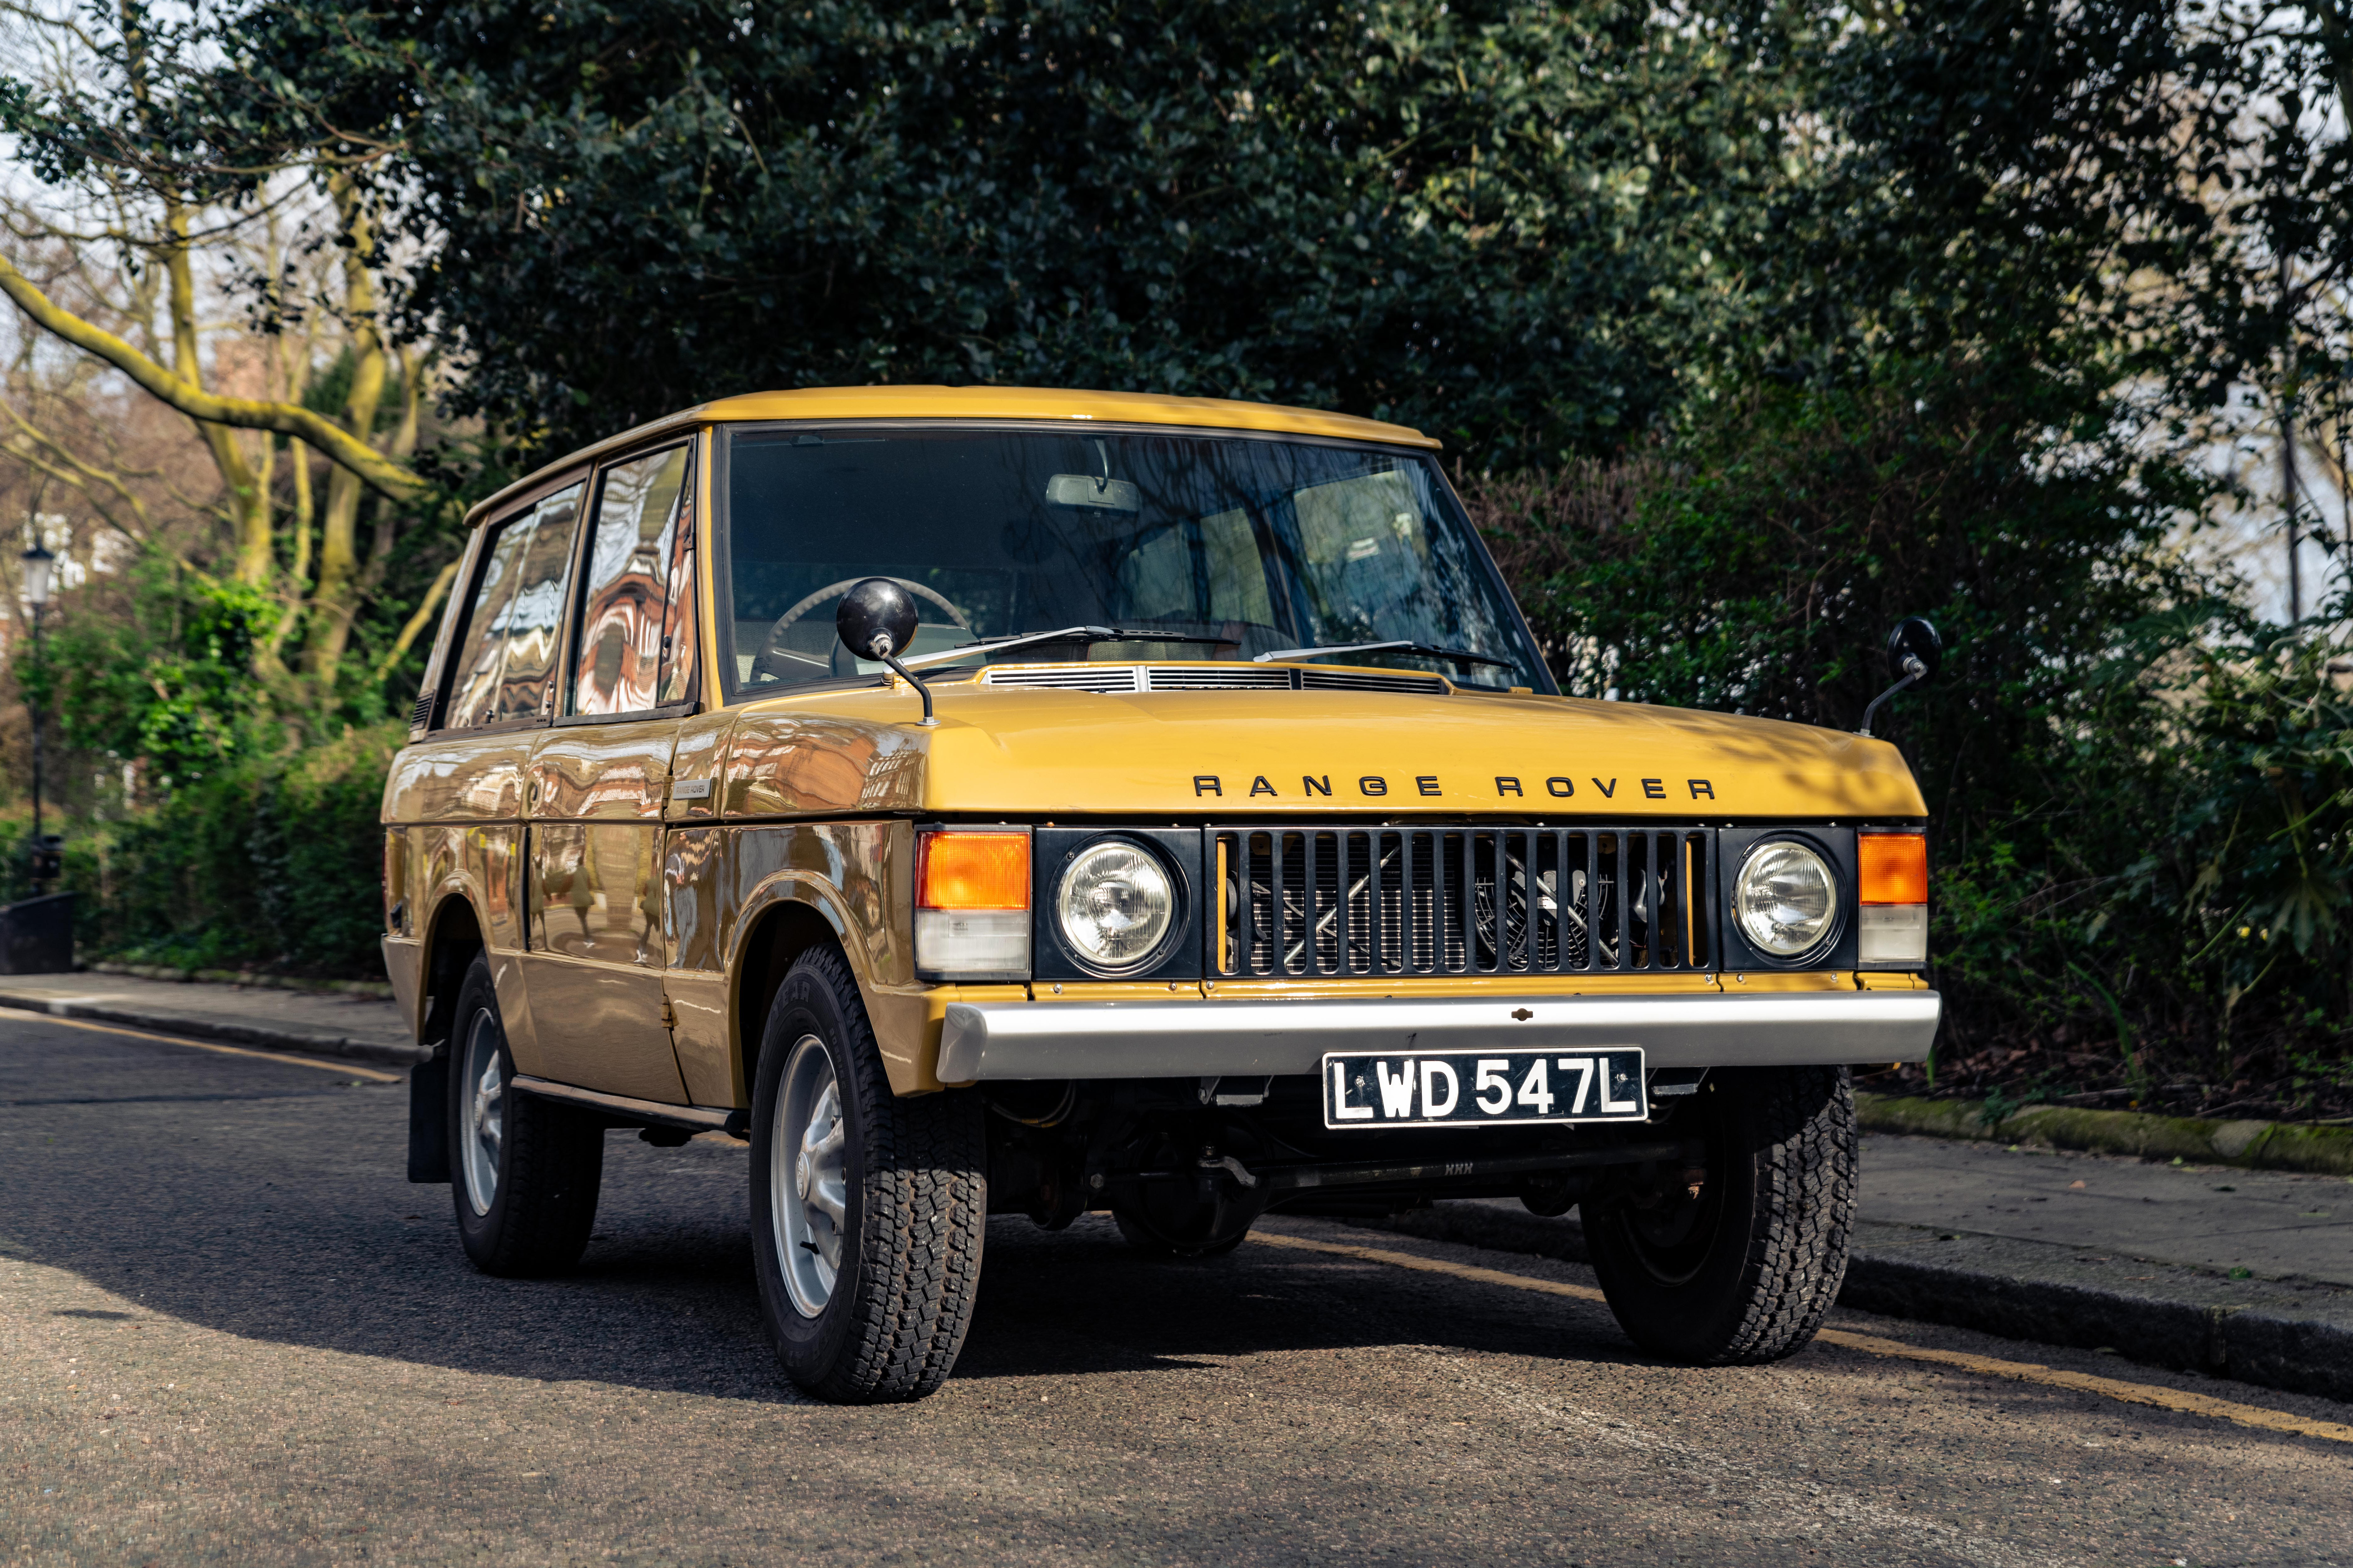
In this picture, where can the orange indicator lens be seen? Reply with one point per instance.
(1894, 868)
(973, 871)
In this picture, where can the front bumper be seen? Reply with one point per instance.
(997, 1041)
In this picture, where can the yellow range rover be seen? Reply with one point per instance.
(1001, 802)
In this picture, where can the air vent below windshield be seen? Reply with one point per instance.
(1119, 677)
(1067, 677)
(1346, 680)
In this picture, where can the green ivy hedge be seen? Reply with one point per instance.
(273, 863)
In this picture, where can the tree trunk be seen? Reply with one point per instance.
(337, 598)
(246, 491)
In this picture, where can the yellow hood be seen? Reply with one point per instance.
(1032, 754)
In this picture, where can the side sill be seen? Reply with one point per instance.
(628, 1113)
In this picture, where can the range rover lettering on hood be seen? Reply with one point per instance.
(1376, 786)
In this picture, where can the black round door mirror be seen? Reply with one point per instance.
(877, 618)
(1914, 642)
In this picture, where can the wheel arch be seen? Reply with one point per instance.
(797, 919)
(453, 936)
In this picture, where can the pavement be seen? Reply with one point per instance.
(359, 1028)
(231, 1334)
(2247, 1274)
(2276, 1224)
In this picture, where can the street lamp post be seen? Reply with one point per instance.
(39, 565)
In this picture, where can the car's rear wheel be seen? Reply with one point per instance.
(523, 1172)
(868, 1210)
(1738, 1263)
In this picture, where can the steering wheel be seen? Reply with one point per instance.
(772, 647)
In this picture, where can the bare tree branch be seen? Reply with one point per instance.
(416, 623)
(347, 451)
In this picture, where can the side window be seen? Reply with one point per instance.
(642, 512)
(677, 617)
(535, 617)
(480, 645)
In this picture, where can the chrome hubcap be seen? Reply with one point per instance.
(485, 1082)
(808, 1177)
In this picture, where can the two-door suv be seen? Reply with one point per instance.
(989, 801)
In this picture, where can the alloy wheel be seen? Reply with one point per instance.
(484, 1085)
(809, 1176)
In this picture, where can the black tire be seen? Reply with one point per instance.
(548, 1162)
(1742, 1272)
(904, 1257)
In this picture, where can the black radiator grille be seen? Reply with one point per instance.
(1462, 900)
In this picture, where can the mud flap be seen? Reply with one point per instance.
(428, 1120)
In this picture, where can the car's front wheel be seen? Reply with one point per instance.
(1737, 1261)
(868, 1210)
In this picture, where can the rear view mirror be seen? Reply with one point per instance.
(1915, 641)
(877, 618)
(1914, 653)
(877, 621)
(1097, 494)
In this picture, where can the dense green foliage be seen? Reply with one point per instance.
(164, 678)
(1987, 329)
(2141, 808)
(1509, 221)
(1798, 525)
(271, 863)
(1537, 227)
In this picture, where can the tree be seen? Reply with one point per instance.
(2051, 248)
(2148, 198)
(1515, 222)
(197, 210)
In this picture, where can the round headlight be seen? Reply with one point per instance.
(1785, 898)
(1116, 904)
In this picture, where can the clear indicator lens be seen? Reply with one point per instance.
(1116, 904)
(1786, 900)
(1892, 933)
(973, 944)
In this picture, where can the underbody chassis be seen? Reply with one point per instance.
(1188, 1163)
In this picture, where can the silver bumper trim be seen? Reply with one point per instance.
(983, 1040)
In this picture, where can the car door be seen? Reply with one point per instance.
(598, 781)
(458, 796)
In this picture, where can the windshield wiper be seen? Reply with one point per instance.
(1428, 650)
(1089, 635)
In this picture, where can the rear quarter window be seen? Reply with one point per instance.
(504, 654)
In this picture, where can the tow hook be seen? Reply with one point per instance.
(1213, 1161)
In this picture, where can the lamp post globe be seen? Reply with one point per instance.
(39, 567)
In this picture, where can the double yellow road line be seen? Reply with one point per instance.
(341, 1069)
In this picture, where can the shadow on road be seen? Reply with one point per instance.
(266, 1201)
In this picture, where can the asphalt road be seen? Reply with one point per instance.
(229, 1333)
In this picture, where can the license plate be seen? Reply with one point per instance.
(1484, 1089)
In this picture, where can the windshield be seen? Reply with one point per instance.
(1245, 545)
